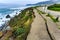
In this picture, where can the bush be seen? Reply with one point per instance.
(21, 37)
(48, 15)
(19, 31)
(55, 7)
(21, 24)
(54, 19)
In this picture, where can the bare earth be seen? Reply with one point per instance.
(38, 29)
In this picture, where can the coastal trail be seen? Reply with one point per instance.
(38, 29)
(52, 26)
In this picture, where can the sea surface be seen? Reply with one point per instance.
(9, 11)
(5, 11)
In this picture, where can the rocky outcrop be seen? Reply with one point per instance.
(8, 16)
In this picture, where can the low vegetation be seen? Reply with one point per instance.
(20, 25)
(48, 15)
(55, 7)
(53, 18)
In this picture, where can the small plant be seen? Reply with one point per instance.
(21, 24)
(54, 19)
(55, 7)
(19, 31)
(48, 15)
(57, 19)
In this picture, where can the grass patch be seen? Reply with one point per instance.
(52, 17)
(55, 7)
(21, 24)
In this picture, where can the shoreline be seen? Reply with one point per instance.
(4, 20)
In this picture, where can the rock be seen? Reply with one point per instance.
(0, 18)
(8, 16)
(8, 28)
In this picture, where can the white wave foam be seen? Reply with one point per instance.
(3, 18)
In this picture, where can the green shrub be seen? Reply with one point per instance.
(21, 37)
(54, 19)
(48, 15)
(19, 31)
(55, 7)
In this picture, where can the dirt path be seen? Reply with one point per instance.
(38, 29)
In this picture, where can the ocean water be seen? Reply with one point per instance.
(4, 12)
(11, 11)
